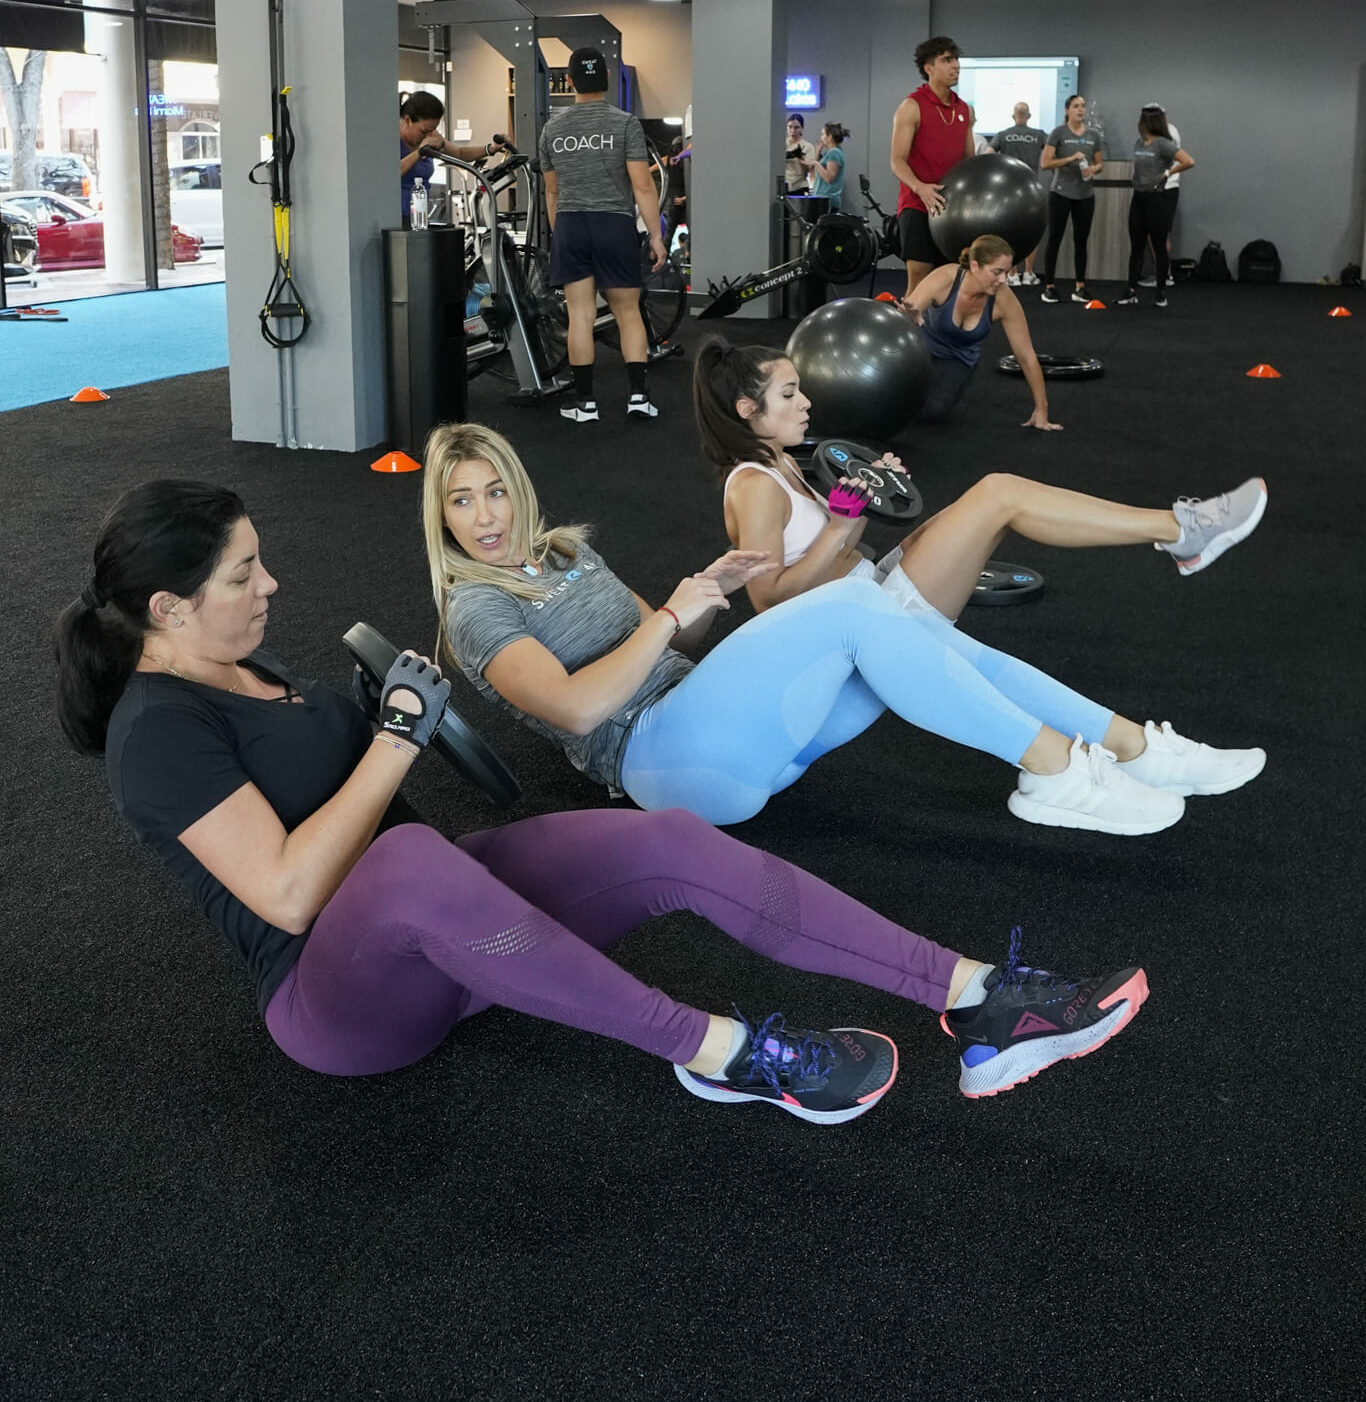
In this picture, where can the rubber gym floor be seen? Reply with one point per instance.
(534, 1213)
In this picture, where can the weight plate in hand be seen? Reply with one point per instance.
(894, 496)
(461, 746)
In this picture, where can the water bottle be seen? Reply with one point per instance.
(418, 208)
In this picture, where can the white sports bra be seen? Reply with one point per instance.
(808, 517)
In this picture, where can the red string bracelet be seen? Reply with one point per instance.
(664, 608)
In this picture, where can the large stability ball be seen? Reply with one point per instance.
(864, 366)
(990, 195)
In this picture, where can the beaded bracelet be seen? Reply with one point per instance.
(408, 749)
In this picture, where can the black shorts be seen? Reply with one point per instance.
(605, 247)
(916, 244)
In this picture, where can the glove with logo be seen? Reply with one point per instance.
(845, 500)
(425, 687)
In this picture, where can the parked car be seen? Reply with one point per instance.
(197, 199)
(61, 171)
(18, 242)
(71, 234)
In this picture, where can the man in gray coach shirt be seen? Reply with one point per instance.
(597, 174)
(1026, 144)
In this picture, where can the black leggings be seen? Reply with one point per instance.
(1150, 221)
(949, 380)
(1082, 213)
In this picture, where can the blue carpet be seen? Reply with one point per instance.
(113, 341)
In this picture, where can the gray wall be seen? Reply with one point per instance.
(1270, 100)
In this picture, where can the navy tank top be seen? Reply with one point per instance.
(950, 342)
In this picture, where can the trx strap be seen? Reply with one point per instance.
(282, 299)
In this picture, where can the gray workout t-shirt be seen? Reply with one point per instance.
(583, 613)
(1067, 180)
(1024, 143)
(1151, 162)
(587, 146)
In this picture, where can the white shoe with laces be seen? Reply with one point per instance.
(1180, 766)
(1093, 792)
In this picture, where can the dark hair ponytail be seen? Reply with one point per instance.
(836, 132)
(722, 375)
(162, 535)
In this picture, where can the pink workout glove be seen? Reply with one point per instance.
(846, 501)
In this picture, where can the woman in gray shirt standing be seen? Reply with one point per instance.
(1074, 155)
(1156, 157)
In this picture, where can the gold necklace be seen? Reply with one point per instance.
(167, 667)
(945, 110)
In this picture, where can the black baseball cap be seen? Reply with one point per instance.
(588, 71)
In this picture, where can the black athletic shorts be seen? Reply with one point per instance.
(916, 244)
(605, 247)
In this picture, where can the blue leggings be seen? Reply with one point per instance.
(808, 676)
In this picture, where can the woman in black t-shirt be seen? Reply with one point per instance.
(265, 793)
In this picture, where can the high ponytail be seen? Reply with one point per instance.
(162, 535)
(722, 375)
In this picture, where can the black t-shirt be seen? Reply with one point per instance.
(177, 749)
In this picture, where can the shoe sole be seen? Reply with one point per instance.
(1227, 540)
(641, 414)
(721, 1095)
(1031, 811)
(1025, 1060)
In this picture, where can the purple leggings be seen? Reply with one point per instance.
(423, 933)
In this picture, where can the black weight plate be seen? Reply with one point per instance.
(1057, 367)
(463, 748)
(840, 248)
(1001, 583)
(894, 498)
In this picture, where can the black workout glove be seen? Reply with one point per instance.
(367, 692)
(432, 690)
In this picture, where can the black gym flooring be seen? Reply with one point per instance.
(536, 1213)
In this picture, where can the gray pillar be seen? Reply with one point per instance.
(341, 65)
(739, 56)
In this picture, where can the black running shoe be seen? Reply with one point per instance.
(1032, 1018)
(826, 1077)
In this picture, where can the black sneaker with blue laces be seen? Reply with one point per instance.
(825, 1077)
(1031, 1019)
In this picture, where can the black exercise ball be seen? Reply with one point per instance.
(864, 366)
(990, 195)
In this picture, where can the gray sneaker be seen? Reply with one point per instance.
(1210, 527)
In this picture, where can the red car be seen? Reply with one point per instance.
(71, 234)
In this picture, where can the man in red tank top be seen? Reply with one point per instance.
(931, 133)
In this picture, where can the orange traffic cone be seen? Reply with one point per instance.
(88, 395)
(1264, 372)
(395, 462)
(1339, 311)
(1094, 305)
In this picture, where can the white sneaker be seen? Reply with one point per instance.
(1080, 297)
(640, 404)
(585, 411)
(1177, 765)
(1030, 279)
(1150, 281)
(1094, 793)
(1012, 279)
